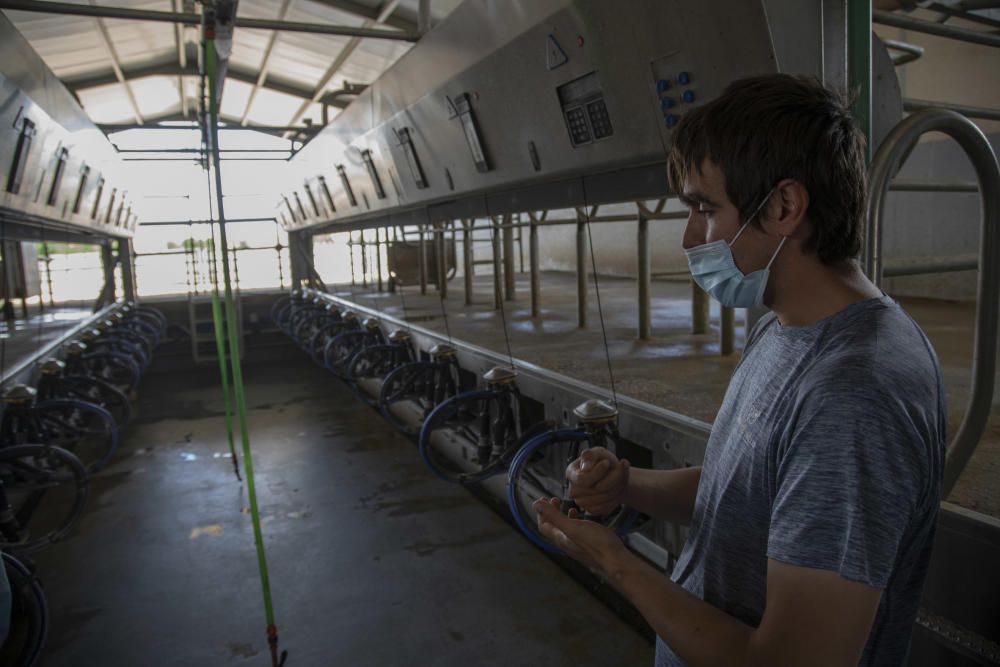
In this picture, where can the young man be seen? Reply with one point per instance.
(812, 517)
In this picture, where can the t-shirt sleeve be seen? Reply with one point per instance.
(848, 479)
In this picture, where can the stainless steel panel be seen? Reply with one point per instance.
(519, 64)
(29, 90)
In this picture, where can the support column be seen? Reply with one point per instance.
(350, 256)
(440, 260)
(108, 264)
(699, 309)
(581, 272)
(509, 276)
(422, 260)
(300, 252)
(497, 265)
(536, 291)
(378, 256)
(126, 260)
(364, 260)
(467, 266)
(644, 278)
(727, 331)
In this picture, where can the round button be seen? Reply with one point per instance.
(671, 120)
(684, 78)
(688, 96)
(666, 102)
(662, 85)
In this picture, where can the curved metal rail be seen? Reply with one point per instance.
(884, 166)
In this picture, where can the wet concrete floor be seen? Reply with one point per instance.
(674, 369)
(372, 560)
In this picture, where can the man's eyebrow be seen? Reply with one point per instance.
(696, 198)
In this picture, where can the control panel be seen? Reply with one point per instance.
(675, 90)
(584, 110)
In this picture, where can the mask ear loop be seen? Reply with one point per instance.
(752, 216)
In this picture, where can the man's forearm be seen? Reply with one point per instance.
(664, 494)
(700, 634)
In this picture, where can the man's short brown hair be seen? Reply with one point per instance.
(768, 128)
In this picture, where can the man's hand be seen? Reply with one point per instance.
(592, 544)
(598, 481)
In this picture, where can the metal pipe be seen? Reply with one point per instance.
(644, 278)
(467, 267)
(904, 185)
(859, 61)
(533, 261)
(422, 260)
(899, 143)
(983, 113)
(195, 19)
(497, 266)
(423, 17)
(727, 331)
(509, 276)
(581, 272)
(930, 28)
(203, 222)
(699, 309)
(918, 266)
(910, 52)
(440, 261)
(378, 256)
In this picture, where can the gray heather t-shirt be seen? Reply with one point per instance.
(827, 453)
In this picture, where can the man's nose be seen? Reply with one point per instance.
(694, 232)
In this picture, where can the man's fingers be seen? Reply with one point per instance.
(613, 477)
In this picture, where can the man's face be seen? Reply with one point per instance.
(713, 217)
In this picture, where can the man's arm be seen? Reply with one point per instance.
(813, 617)
(664, 494)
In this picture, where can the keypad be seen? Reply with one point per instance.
(599, 119)
(579, 132)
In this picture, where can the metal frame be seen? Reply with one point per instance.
(898, 144)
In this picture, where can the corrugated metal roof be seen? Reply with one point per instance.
(75, 49)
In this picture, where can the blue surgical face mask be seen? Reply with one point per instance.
(715, 271)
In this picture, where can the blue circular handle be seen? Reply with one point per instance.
(684, 78)
(688, 96)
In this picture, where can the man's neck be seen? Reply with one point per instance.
(812, 291)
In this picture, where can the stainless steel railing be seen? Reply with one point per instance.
(884, 166)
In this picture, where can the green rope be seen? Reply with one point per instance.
(234, 356)
(220, 342)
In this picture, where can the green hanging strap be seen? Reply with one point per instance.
(220, 342)
(234, 355)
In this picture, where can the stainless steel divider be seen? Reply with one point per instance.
(886, 163)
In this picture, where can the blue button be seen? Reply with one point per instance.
(688, 96)
(671, 120)
(662, 85)
(666, 102)
(684, 78)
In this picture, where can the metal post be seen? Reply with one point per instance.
(497, 264)
(859, 57)
(300, 255)
(727, 331)
(536, 292)
(440, 261)
(644, 277)
(378, 256)
(350, 256)
(509, 276)
(364, 260)
(126, 258)
(699, 309)
(581, 272)
(422, 261)
(467, 266)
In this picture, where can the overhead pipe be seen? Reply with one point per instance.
(125, 13)
(931, 28)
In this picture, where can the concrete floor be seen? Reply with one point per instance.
(372, 560)
(674, 369)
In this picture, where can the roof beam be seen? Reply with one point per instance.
(109, 48)
(385, 11)
(363, 11)
(265, 62)
(195, 19)
(172, 69)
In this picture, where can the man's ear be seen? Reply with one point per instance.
(787, 209)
